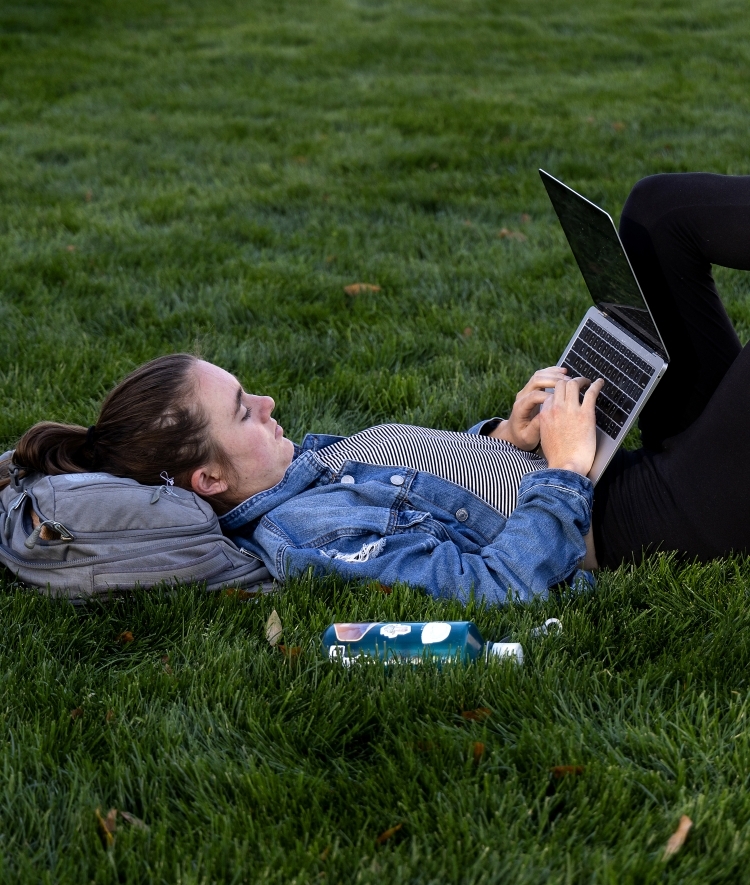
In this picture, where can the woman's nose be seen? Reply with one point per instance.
(265, 405)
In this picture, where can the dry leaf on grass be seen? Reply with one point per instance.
(677, 839)
(107, 826)
(240, 593)
(386, 835)
(359, 288)
(290, 652)
(384, 588)
(478, 715)
(618, 127)
(559, 771)
(110, 717)
(76, 713)
(422, 746)
(71, 248)
(478, 751)
(525, 218)
(467, 332)
(273, 629)
(133, 820)
(505, 234)
(165, 664)
(125, 636)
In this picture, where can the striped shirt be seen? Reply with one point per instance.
(490, 468)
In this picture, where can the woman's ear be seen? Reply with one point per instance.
(207, 481)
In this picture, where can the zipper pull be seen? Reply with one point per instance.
(14, 506)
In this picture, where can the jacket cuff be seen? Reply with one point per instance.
(485, 428)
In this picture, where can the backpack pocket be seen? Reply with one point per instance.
(200, 569)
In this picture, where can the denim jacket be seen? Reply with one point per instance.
(398, 524)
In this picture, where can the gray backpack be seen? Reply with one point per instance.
(113, 534)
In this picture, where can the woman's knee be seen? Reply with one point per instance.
(651, 198)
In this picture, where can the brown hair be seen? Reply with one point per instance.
(148, 424)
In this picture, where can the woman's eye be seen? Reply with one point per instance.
(246, 415)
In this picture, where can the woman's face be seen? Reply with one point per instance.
(242, 425)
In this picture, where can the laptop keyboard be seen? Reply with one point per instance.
(597, 354)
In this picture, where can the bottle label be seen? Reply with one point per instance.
(391, 631)
(352, 632)
(435, 631)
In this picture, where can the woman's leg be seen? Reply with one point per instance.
(693, 497)
(674, 227)
(692, 493)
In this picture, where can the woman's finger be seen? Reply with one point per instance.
(575, 386)
(533, 399)
(589, 398)
(547, 377)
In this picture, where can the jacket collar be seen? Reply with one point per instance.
(304, 471)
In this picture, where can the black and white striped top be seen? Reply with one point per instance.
(490, 468)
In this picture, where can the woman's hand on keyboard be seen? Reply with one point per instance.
(568, 426)
(522, 427)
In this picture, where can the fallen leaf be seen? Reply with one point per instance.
(505, 234)
(425, 746)
(71, 248)
(386, 835)
(478, 715)
(434, 166)
(240, 593)
(125, 636)
(467, 223)
(324, 854)
(677, 839)
(559, 771)
(468, 332)
(618, 127)
(330, 259)
(87, 196)
(133, 820)
(478, 751)
(107, 826)
(384, 588)
(76, 713)
(274, 629)
(291, 652)
(165, 663)
(300, 160)
(589, 119)
(525, 218)
(359, 288)
(110, 717)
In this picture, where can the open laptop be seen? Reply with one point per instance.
(617, 339)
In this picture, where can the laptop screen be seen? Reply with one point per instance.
(605, 267)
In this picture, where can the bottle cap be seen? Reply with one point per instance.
(506, 650)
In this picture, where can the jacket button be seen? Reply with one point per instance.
(347, 479)
(397, 480)
(462, 514)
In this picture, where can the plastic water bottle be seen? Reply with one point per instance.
(413, 642)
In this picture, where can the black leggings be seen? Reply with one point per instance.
(688, 489)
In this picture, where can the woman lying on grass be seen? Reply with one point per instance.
(454, 511)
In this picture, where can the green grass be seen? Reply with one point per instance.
(179, 175)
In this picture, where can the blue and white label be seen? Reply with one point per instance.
(436, 631)
(391, 631)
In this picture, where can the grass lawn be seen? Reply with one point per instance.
(177, 174)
